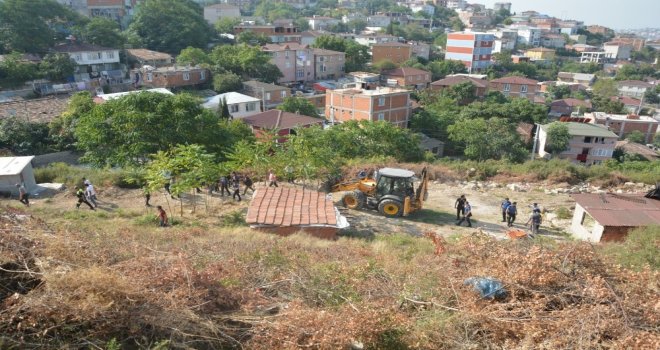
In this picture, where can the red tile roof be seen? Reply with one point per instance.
(276, 119)
(627, 101)
(404, 71)
(457, 79)
(515, 80)
(571, 102)
(286, 206)
(610, 209)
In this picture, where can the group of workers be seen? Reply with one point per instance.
(509, 212)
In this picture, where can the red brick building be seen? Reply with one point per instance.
(515, 87)
(622, 125)
(480, 85)
(388, 104)
(395, 52)
(408, 77)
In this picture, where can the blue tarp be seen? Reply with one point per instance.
(488, 287)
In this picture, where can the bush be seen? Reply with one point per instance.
(234, 219)
(639, 249)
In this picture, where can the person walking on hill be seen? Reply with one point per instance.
(535, 219)
(147, 196)
(505, 204)
(81, 198)
(511, 212)
(23, 195)
(467, 214)
(248, 184)
(162, 216)
(236, 186)
(90, 194)
(272, 179)
(224, 186)
(289, 174)
(460, 205)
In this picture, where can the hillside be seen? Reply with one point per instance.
(112, 279)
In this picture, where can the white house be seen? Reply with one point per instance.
(213, 13)
(240, 105)
(322, 22)
(529, 36)
(381, 21)
(92, 61)
(633, 88)
(16, 170)
(617, 50)
(589, 143)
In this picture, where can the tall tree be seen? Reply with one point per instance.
(193, 56)
(245, 61)
(226, 82)
(298, 105)
(62, 128)
(488, 139)
(171, 25)
(57, 66)
(103, 32)
(558, 138)
(223, 110)
(15, 71)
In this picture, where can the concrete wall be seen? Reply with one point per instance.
(592, 233)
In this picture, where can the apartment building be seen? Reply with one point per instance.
(407, 77)
(328, 64)
(473, 49)
(277, 32)
(214, 13)
(383, 104)
(622, 124)
(393, 51)
(170, 77)
(515, 87)
(295, 61)
(589, 143)
(271, 95)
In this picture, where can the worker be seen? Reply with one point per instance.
(81, 198)
(162, 216)
(505, 204)
(460, 205)
(23, 195)
(535, 220)
(467, 214)
(511, 212)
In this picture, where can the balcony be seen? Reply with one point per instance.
(582, 157)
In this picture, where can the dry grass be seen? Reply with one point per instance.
(110, 280)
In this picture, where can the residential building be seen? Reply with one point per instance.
(16, 170)
(419, 6)
(270, 95)
(480, 85)
(592, 56)
(472, 48)
(239, 105)
(633, 88)
(425, 23)
(322, 22)
(540, 54)
(553, 40)
(636, 42)
(171, 77)
(309, 37)
(655, 44)
(617, 50)
(284, 123)
(420, 49)
(567, 106)
(371, 39)
(582, 47)
(243, 5)
(365, 80)
(393, 51)
(609, 217)
(120, 11)
(328, 64)
(505, 39)
(298, 4)
(502, 6)
(144, 57)
(283, 33)
(474, 21)
(214, 13)
(378, 20)
(430, 144)
(622, 124)
(91, 60)
(632, 105)
(649, 152)
(583, 79)
(579, 38)
(529, 36)
(589, 143)
(456, 4)
(597, 29)
(515, 87)
(407, 77)
(389, 104)
(295, 61)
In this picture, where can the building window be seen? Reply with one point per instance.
(150, 76)
(287, 64)
(233, 108)
(523, 88)
(324, 68)
(110, 55)
(186, 76)
(381, 101)
(300, 73)
(268, 96)
(202, 75)
(381, 116)
(321, 58)
(507, 87)
(286, 54)
(77, 57)
(249, 107)
(283, 93)
(99, 55)
(587, 139)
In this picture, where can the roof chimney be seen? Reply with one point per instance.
(632, 117)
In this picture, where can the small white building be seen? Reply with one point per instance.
(239, 105)
(16, 170)
(617, 50)
(92, 61)
(589, 143)
(322, 22)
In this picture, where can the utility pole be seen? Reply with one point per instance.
(536, 139)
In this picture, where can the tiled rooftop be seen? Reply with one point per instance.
(286, 206)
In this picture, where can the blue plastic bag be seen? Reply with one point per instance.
(488, 287)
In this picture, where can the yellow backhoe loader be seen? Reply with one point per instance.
(391, 191)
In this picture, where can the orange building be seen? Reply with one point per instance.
(388, 104)
(473, 49)
(395, 52)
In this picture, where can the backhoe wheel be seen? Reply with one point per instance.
(353, 200)
(390, 208)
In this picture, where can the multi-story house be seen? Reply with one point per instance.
(622, 124)
(553, 40)
(277, 33)
(214, 13)
(566, 107)
(239, 105)
(515, 87)
(295, 61)
(407, 77)
(505, 39)
(170, 77)
(378, 20)
(328, 64)
(148, 57)
(480, 85)
(636, 42)
(456, 4)
(371, 39)
(117, 10)
(91, 60)
(589, 143)
(471, 48)
(383, 104)
(298, 4)
(540, 54)
(420, 49)
(529, 36)
(633, 88)
(322, 22)
(583, 79)
(617, 50)
(243, 5)
(270, 95)
(393, 51)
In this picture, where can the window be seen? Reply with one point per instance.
(249, 107)
(233, 108)
(321, 58)
(202, 75)
(507, 87)
(381, 116)
(381, 101)
(186, 76)
(77, 57)
(523, 88)
(99, 55)
(324, 68)
(110, 54)
(287, 64)
(587, 139)
(150, 76)
(300, 73)
(283, 93)
(286, 54)
(268, 96)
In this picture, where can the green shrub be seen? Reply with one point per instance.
(234, 219)
(639, 249)
(563, 213)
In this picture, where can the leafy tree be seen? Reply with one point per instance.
(252, 38)
(605, 88)
(29, 26)
(272, 11)
(651, 95)
(245, 61)
(103, 32)
(226, 25)
(57, 66)
(24, 138)
(384, 64)
(463, 93)
(656, 140)
(515, 110)
(605, 104)
(488, 139)
(635, 72)
(557, 92)
(441, 69)
(636, 136)
(62, 128)
(223, 110)
(330, 42)
(558, 138)
(298, 105)
(15, 71)
(226, 82)
(171, 25)
(126, 130)
(193, 56)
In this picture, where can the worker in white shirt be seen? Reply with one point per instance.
(90, 194)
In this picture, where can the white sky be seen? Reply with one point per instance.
(616, 14)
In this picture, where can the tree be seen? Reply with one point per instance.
(244, 61)
(557, 138)
(223, 110)
(226, 25)
(57, 66)
(605, 104)
(651, 95)
(558, 92)
(226, 82)
(62, 128)
(29, 26)
(103, 32)
(636, 136)
(464, 92)
(605, 88)
(384, 64)
(171, 25)
(357, 56)
(298, 105)
(252, 38)
(24, 138)
(15, 71)
(271, 10)
(635, 72)
(128, 129)
(441, 69)
(193, 56)
(488, 139)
